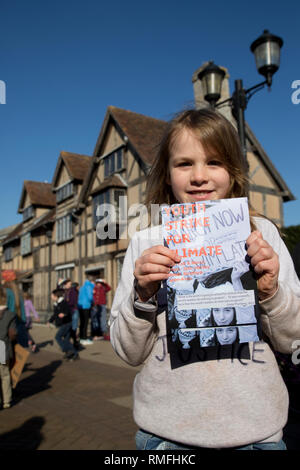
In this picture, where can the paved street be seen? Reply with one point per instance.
(84, 405)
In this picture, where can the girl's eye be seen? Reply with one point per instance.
(183, 164)
(214, 162)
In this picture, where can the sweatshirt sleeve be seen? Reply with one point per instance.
(33, 310)
(52, 318)
(107, 287)
(280, 314)
(132, 331)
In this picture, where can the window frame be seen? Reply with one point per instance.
(64, 229)
(28, 213)
(64, 273)
(65, 191)
(113, 162)
(25, 244)
(111, 199)
(8, 253)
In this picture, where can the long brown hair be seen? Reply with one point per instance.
(217, 135)
(13, 286)
(2, 295)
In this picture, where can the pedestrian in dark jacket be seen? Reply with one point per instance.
(63, 321)
(71, 297)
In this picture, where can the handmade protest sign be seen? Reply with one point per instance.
(212, 294)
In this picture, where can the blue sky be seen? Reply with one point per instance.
(63, 62)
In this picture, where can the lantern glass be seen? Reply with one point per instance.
(212, 84)
(266, 55)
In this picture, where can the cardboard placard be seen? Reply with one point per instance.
(21, 355)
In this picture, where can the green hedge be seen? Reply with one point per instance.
(291, 236)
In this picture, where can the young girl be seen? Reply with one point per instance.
(200, 159)
(29, 308)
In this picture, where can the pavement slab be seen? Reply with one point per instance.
(62, 405)
(82, 405)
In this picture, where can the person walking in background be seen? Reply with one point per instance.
(85, 300)
(15, 304)
(71, 297)
(98, 312)
(29, 308)
(60, 283)
(63, 320)
(8, 334)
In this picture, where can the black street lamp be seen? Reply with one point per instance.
(266, 50)
(211, 78)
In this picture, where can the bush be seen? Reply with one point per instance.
(291, 236)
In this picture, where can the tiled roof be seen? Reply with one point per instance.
(43, 219)
(40, 194)
(13, 235)
(143, 132)
(6, 231)
(113, 181)
(77, 165)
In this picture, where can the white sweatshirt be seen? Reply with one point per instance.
(216, 403)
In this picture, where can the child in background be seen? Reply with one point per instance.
(29, 308)
(71, 297)
(200, 159)
(63, 321)
(8, 333)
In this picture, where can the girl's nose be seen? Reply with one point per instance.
(199, 174)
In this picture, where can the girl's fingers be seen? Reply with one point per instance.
(157, 259)
(144, 280)
(261, 255)
(256, 235)
(153, 266)
(265, 266)
(256, 245)
(162, 250)
(150, 268)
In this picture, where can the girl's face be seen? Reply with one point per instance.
(226, 335)
(193, 174)
(223, 316)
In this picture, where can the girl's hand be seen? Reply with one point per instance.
(152, 267)
(265, 263)
(61, 315)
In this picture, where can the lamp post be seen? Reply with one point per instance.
(266, 50)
